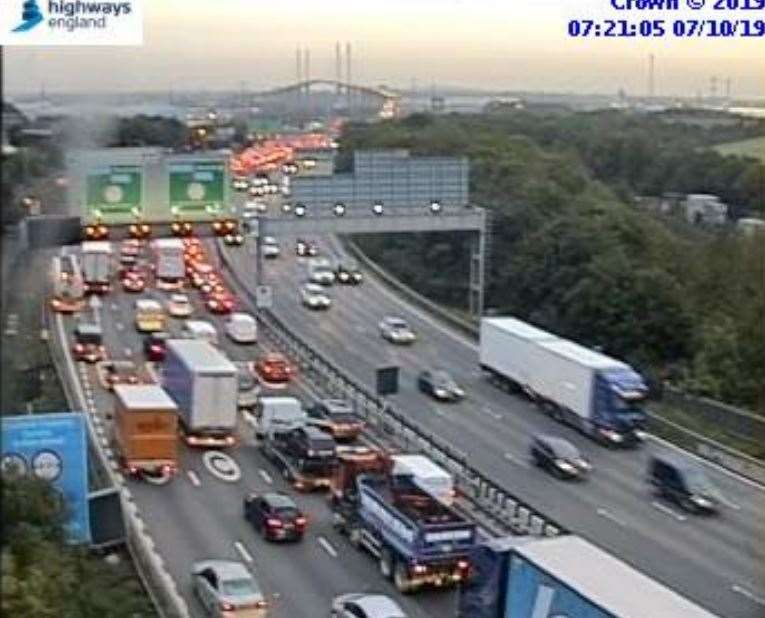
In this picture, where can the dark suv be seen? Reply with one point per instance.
(312, 447)
(275, 516)
(682, 482)
(347, 272)
(337, 418)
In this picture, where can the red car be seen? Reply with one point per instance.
(133, 281)
(221, 303)
(273, 369)
(155, 346)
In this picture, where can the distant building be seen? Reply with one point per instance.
(390, 177)
(707, 209)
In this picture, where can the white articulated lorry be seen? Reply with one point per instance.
(601, 396)
(204, 385)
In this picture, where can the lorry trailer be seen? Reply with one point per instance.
(203, 383)
(96, 258)
(562, 576)
(601, 396)
(170, 267)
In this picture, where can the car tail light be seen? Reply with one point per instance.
(230, 440)
(101, 349)
(227, 607)
(90, 230)
(419, 569)
(301, 522)
(132, 470)
(156, 348)
(145, 228)
(79, 348)
(273, 523)
(463, 565)
(102, 229)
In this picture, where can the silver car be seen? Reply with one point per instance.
(396, 330)
(320, 271)
(270, 247)
(361, 605)
(248, 394)
(227, 589)
(314, 296)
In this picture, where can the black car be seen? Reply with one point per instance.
(559, 457)
(275, 515)
(439, 384)
(337, 418)
(682, 482)
(347, 272)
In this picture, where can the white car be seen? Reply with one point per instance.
(320, 271)
(270, 247)
(179, 306)
(364, 605)
(252, 209)
(396, 330)
(314, 296)
(242, 328)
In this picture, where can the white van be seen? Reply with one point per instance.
(425, 475)
(276, 413)
(242, 328)
(201, 330)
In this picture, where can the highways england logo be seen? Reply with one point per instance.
(71, 22)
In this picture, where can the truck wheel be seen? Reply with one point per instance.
(401, 578)
(386, 563)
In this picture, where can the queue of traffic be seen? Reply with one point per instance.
(402, 508)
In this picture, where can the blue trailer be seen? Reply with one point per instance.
(417, 540)
(563, 577)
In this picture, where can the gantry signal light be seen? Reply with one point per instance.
(377, 208)
(299, 210)
(339, 209)
(435, 207)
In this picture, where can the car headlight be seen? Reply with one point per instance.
(440, 392)
(343, 276)
(584, 464)
(458, 392)
(639, 434)
(701, 501)
(612, 435)
(564, 465)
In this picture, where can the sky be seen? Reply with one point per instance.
(508, 45)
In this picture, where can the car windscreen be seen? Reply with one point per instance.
(698, 481)
(443, 379)
(564, 449)
(89, 338)
(239, 587)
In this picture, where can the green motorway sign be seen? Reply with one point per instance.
(198, 189)
(113, 193)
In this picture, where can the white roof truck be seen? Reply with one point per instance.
(279, 413)
(563, 576)
(601, 396)
(204, 385)
(423, 473)
(170, 270)
(505, 346)
(96, 257)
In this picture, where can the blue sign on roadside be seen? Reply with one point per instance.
(52, 447)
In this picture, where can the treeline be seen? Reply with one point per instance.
(570, 253)
(44, 577)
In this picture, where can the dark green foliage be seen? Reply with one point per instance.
(43, 577)
(571, 254)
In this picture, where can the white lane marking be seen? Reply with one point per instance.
(250, 418)
(120, 326)
(327, 546)
(668, 511)
(128, 352)
(266, 476)
(489, 412)
(222, 466)
(748, 594)
(243, 551)
(609, 515)
(709, 463)
(731, 505)
(193, 478)
(115, 306)
(513, 459)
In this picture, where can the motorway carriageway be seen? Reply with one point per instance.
(199, 516)
(719, 562)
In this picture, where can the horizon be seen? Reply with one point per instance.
(485, 44)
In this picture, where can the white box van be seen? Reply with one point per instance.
(200, 330)
(279, 413)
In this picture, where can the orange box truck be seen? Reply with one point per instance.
(146, 431)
